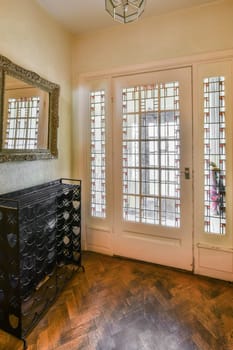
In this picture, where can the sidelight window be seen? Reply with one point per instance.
(97, 152)
(214, 155)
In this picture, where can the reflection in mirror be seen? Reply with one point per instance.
(25, 116)
(28, 114)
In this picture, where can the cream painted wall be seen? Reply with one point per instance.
(30, 38)
(187, 32)
(170, 39)
(183, 33)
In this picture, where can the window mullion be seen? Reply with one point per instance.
(159, 154)
(140, 154)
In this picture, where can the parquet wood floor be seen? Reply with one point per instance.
(127, 305)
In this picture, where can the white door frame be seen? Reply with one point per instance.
(155, 243)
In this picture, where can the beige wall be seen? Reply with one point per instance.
(179, 34)
(187, 32)
(166, 39)
(30, 38)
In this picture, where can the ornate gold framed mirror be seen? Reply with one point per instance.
(28, 114)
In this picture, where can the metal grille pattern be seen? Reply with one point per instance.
(98, 171)
(151, 154)
(22, 123)
(214, 155)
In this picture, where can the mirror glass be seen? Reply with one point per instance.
(28, 114)
(25, 116)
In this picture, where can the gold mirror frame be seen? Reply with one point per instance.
(32, 78)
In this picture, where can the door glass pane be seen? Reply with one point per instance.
(151, 154)
(214, 156)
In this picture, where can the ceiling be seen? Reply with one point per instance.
(80, 16)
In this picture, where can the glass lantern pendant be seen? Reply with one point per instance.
(125, 11)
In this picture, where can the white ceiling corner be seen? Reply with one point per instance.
(79, 16)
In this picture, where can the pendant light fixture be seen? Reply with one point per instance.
(125, 11)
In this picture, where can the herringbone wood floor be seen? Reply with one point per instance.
(127, 305)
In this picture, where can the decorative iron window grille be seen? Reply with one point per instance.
(22, 123)
(214, 156)
(151, 154)
(98, 154)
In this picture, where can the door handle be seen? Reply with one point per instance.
(186, 173)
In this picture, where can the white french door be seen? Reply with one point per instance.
(143, 198)
(152, 167)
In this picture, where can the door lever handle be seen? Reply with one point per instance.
(186, 173)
